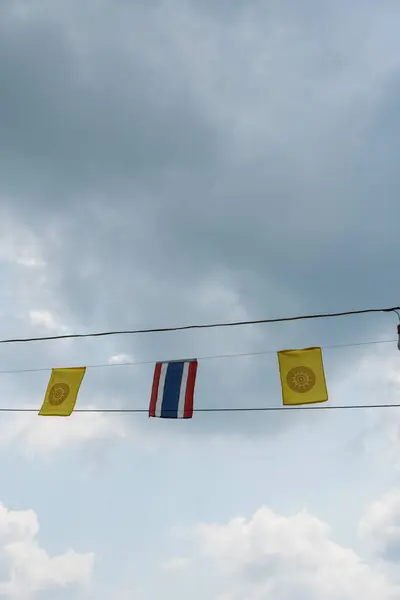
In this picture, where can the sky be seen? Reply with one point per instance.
(165, 163)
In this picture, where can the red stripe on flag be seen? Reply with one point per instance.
(154, 390)
(189, 396)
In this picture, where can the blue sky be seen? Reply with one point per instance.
(174, 162)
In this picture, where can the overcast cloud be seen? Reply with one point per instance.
(175, 162)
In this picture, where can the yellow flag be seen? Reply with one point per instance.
(302, 376)
(62, 392)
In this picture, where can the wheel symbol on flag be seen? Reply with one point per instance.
(58, 394)
(301, 379)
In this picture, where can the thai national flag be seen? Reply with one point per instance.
(173, 389)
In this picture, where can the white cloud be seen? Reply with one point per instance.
(45, 435)
(120, 358)
(30, 261)
(46, 319)
(177, 563)
(18, 244)
(380, 526)
(273, 557)
(28, 568)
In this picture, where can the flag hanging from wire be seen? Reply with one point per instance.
(172, 394)
(302, 376)
(62, 392)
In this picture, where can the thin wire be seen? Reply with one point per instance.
(205, 326)
(216, 410)
(210, 357)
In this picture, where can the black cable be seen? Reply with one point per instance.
(221, 410)
(205, 326)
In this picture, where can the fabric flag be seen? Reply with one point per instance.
(302, 376)
(62, 392)
(173, 389)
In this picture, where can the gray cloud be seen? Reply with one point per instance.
(185, 164)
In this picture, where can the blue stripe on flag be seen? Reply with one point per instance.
(172, 388)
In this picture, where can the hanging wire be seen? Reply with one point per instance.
(205, 326)
(216, 410)
(318, 407)
(208, 357)
(218, 356)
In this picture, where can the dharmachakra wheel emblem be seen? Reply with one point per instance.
(58, 394)
(301, 379)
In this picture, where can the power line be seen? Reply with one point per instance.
(204, 326)
(216, 410)
(209, 357)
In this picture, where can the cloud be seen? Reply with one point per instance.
(18, 244)
(45, 437)
(188, 163)
(380, 526)
(46, 319)
(271, 556)
(373, 379)
(26, 568)
(177, 563)
(120, 358)
(173, 162)
(255, 101)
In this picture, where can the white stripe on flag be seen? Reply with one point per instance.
(182, 392)
(161, 385)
